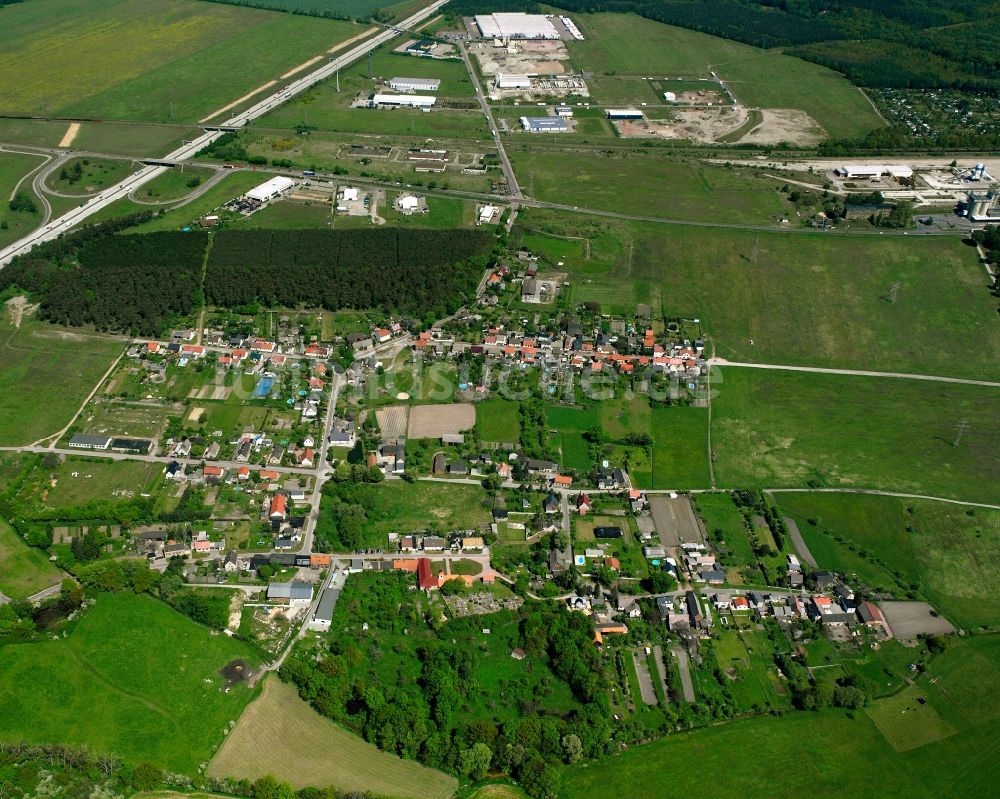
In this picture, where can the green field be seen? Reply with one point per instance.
(498, 420)
(787, 429)
(98, 479)
(233, 185)
(358, 9)
(625, 44)
(827, 753)
(24, 570)
(281, 735)
(945, 551)
(123, 138)
(184, 59)
(814, 299)
(129, 676)
(15, 224)
(634, 184)
(174, 184)
(680, 447)
(48, 372)
(80, 177)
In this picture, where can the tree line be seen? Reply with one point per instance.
(417, 272)
(140, 283)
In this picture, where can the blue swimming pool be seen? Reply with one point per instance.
(263, 387)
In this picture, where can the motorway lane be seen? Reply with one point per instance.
(188, 150)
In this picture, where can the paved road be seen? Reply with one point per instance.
(508, 169)
(852, 372)
(645, 681)
(188, 150)
(799, 542)
(684, 667)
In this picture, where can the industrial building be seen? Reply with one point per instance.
(275, 187)
(83, 441)
(624, 113)
(414, 84)
(513, 82)
(564, 111)
(516, 26)
(404, 100)
(545, 124)
(983, 206)
(874, 171)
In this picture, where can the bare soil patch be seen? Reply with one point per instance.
(434, 421)
(785, 125)
(392, 421)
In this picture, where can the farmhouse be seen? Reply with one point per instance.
(274, 187)
(293, 594)
(414, 84)
(403, 100)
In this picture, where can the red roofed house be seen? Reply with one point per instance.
(193, 350)
(269, 474)
(740, 603)
(305, 458)
(243, 472)
(212, 472)
(279, 504)
(562, 480)
(425, 577)
(153, 347)
(583, 504)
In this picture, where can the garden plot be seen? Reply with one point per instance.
(392, 421)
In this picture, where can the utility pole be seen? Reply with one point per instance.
(893, 290)
(756, 247)
(961, 428)
(338, 79)
(369, 63)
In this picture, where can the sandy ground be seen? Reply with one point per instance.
(433, 421)
(785, 125)
(392, 421)
(537, 58)
(70, 134)
(704, 125)
(910, 619)
(675, 521)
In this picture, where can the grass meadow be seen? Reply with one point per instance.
(13, 167)
(498, 420)
(811, 299)
(24, 570)
(790, 429)
(185, 59)
(281, 735)
(625, 44)
(129, 676)
(47, 373)
(636, 184)
(946, 552)
(828, 753)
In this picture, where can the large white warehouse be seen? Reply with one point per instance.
(516, 26)
(414, 84)
(406, 100)
(275, 187)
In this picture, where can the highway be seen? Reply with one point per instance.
(189, 149)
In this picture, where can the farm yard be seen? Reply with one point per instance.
(281, 735)
(131, 673)
(162, 75)
(43, 361)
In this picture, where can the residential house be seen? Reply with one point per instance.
(550, 504)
